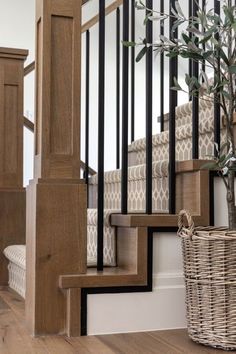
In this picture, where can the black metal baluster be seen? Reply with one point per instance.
(162, 78)
(216, 98)
(149, 93)
(195, 99)
(101, 119)
(132, 71)
(118, 88)
(87, 89)
(125, 110)
(190, 14)
(203, 46)
(173, 72)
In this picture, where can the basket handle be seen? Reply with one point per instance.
(182, 215)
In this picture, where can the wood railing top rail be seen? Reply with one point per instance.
(91, 171)
(29, 68)
(94, 20)
(30, 125)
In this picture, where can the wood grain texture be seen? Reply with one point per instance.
(73, 310)
(12, 193)
(93, 279)
(14, 338)
(55, 244)
(56, 198)
(28, 124)
(154, 220)
(131, 259)
(11, 117)
(58, 66)
(29, 68)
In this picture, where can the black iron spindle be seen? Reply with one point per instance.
(132, 71)
(173, 72)
(87, 89)
(216, 98)
(125, 110)
(162, 78)
(118, 88)
(149, 92)
(101, 114)
(203, 46)
(190, 14)
(195, 99)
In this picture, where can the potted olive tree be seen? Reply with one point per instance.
(209, 253)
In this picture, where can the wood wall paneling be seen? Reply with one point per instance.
(12, 193)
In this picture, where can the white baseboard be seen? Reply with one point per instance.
(164, 308)
(168, 280)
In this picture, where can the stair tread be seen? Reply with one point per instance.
(108, 277)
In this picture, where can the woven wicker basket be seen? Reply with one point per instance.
(209, 256)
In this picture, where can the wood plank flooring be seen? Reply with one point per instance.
(15, 339)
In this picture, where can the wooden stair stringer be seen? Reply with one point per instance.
(132, 242)
(132, 257)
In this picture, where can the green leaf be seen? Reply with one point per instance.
(172, 54)
(234, 26)
(223, 56)
(226, 94)
(128, 44)
(186, 38)
(232, 69)
(207, 54)
(229, 13)
(205, 39)
(141, 54)
(177, 86)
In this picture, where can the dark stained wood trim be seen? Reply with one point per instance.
(94, 20)
(154, 220)
(29, 68)
(91, 171)
(28, 124)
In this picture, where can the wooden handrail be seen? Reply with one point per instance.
(30, 125)
(91, 171)
(95, 19)
(29, 68)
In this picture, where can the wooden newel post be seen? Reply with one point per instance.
(12, 193)
(56, 198)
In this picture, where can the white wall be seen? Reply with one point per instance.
(163, 308)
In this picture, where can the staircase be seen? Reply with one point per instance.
(60, 272)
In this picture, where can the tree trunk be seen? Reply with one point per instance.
(231, 201)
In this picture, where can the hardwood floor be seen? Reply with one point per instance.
(14, 338)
